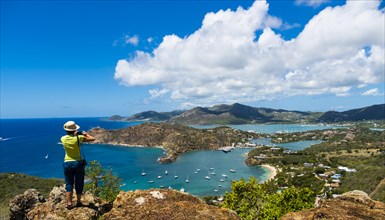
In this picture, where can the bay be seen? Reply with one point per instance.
(31, 146)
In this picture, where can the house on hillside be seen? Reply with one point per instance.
(346, 169)
(289, 151)
(336, 176)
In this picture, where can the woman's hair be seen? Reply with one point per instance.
(70, 132)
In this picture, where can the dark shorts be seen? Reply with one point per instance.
(74, 174)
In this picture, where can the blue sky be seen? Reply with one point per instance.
(100, 58)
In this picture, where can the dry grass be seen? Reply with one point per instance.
(352, 153)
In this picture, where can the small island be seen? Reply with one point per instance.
(174, 138)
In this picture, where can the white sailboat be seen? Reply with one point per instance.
(46, 156)
(187, 180)
(166, 172)
(175, 177)
(143, 173)
(208, 177)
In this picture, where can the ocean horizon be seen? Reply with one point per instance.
(32, 146)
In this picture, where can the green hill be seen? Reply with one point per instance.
(12, 184)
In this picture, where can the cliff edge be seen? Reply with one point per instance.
(140, 204)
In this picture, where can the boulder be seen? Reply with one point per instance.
(31, 205)
(352, 205)
(164, 204)
(23, 203)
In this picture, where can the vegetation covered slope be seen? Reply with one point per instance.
(358, 148)
(243, 114)
(374, 112)
(175, 139)
(12, 184)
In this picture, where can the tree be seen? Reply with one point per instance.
(104, 183)
(252, 200)
(289, 200)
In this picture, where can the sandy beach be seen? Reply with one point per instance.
(272, 171)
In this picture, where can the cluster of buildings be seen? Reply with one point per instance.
(335, 178)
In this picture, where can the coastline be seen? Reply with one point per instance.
(271, 169)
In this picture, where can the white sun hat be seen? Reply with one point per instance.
(71, 126)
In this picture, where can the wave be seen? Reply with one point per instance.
(5, 139)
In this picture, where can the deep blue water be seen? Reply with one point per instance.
(31, 146)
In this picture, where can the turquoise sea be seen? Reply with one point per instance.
(31, 146)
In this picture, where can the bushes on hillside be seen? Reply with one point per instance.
(252, 200)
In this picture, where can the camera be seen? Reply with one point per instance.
(79, 132)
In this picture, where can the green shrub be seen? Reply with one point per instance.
(104, 183)
(252, 200)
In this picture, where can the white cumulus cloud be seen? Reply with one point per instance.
(224, 61)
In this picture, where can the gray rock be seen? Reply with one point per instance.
(23, 203)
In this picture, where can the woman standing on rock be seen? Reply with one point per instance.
(73, 165)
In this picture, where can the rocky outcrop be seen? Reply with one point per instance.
(24, 203)
(140, 204)
(31, 205)
(352, 205)
(164, 204)
(167, 204)
(175, 139)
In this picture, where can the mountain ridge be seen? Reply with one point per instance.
(242, 114)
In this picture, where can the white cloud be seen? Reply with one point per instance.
(224, 61)
(312, 3)
(372, 92)
(133, 40)
(156, 93)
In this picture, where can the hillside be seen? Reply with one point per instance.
(243, 114)
(147, 116)
(375, 112)
(12, 184)
(175, 139)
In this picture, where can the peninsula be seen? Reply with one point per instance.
(174, 138)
